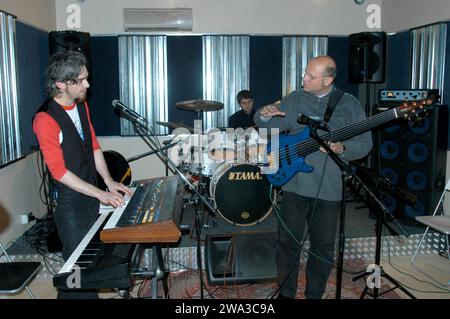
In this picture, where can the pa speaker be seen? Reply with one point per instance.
(413, 156)
(240, 258)
(367, 57)
(70, 40)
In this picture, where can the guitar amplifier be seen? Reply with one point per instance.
(412, 155)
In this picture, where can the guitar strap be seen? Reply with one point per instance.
(331, 105)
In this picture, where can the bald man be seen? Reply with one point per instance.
(313, 198)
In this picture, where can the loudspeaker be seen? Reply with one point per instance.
(240, 258)
(367, 57)
(413, 156)
(70, 40)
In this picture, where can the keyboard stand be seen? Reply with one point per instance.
(158, 271)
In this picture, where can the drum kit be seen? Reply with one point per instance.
(229, 169)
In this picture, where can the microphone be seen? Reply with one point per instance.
(303, 119)
(125, 109)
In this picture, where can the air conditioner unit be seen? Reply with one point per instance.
(157, 19)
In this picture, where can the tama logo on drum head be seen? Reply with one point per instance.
(244, 176)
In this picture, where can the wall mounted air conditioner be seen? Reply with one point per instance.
(157, 19)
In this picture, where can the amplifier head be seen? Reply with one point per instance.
(386, 95)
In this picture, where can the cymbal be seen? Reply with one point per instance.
(199, 105)
(176, 125)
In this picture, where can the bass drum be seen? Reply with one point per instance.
(241, 194)
(118, 167)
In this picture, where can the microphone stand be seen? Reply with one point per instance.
(136, 157)
(347, 174)
(141, 126)
(382, 183)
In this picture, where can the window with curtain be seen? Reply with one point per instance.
(297, 51)
(428, 57)
(226, 71)
(10, 146)
(143, 80)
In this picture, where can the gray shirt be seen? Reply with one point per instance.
(347, 111)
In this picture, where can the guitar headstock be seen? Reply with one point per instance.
(410, 109)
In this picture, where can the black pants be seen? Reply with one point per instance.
(295, 212)
(74, 215)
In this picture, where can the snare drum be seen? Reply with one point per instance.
(241, 194)
(226, 147)
(202, 163)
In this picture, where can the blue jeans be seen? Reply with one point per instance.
(295, 212)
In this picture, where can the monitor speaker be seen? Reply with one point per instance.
(70, 40)
(240, 258)
(367, 57)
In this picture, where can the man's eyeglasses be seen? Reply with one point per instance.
(308, 76)
(76, 82)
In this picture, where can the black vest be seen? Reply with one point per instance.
(78, 154)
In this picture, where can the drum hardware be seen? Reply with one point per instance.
(165, 147)
(202, 163)
(176, 125)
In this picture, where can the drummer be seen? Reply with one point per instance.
(244, 117)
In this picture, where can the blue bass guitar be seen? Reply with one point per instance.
(289, 155)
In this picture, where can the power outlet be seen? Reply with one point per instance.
(24, 218)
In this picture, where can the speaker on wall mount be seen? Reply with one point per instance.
(70, 40)
(367, 57)
(240, 258)
(412, 155)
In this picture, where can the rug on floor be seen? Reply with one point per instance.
(186, 285)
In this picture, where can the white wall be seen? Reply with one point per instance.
(19, 189)
(38, 13)
(398, 15)
(146, 167)
(231, 16)
(333, 17)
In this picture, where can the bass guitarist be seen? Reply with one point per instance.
(313, 198)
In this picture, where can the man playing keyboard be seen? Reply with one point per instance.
(72, 153)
